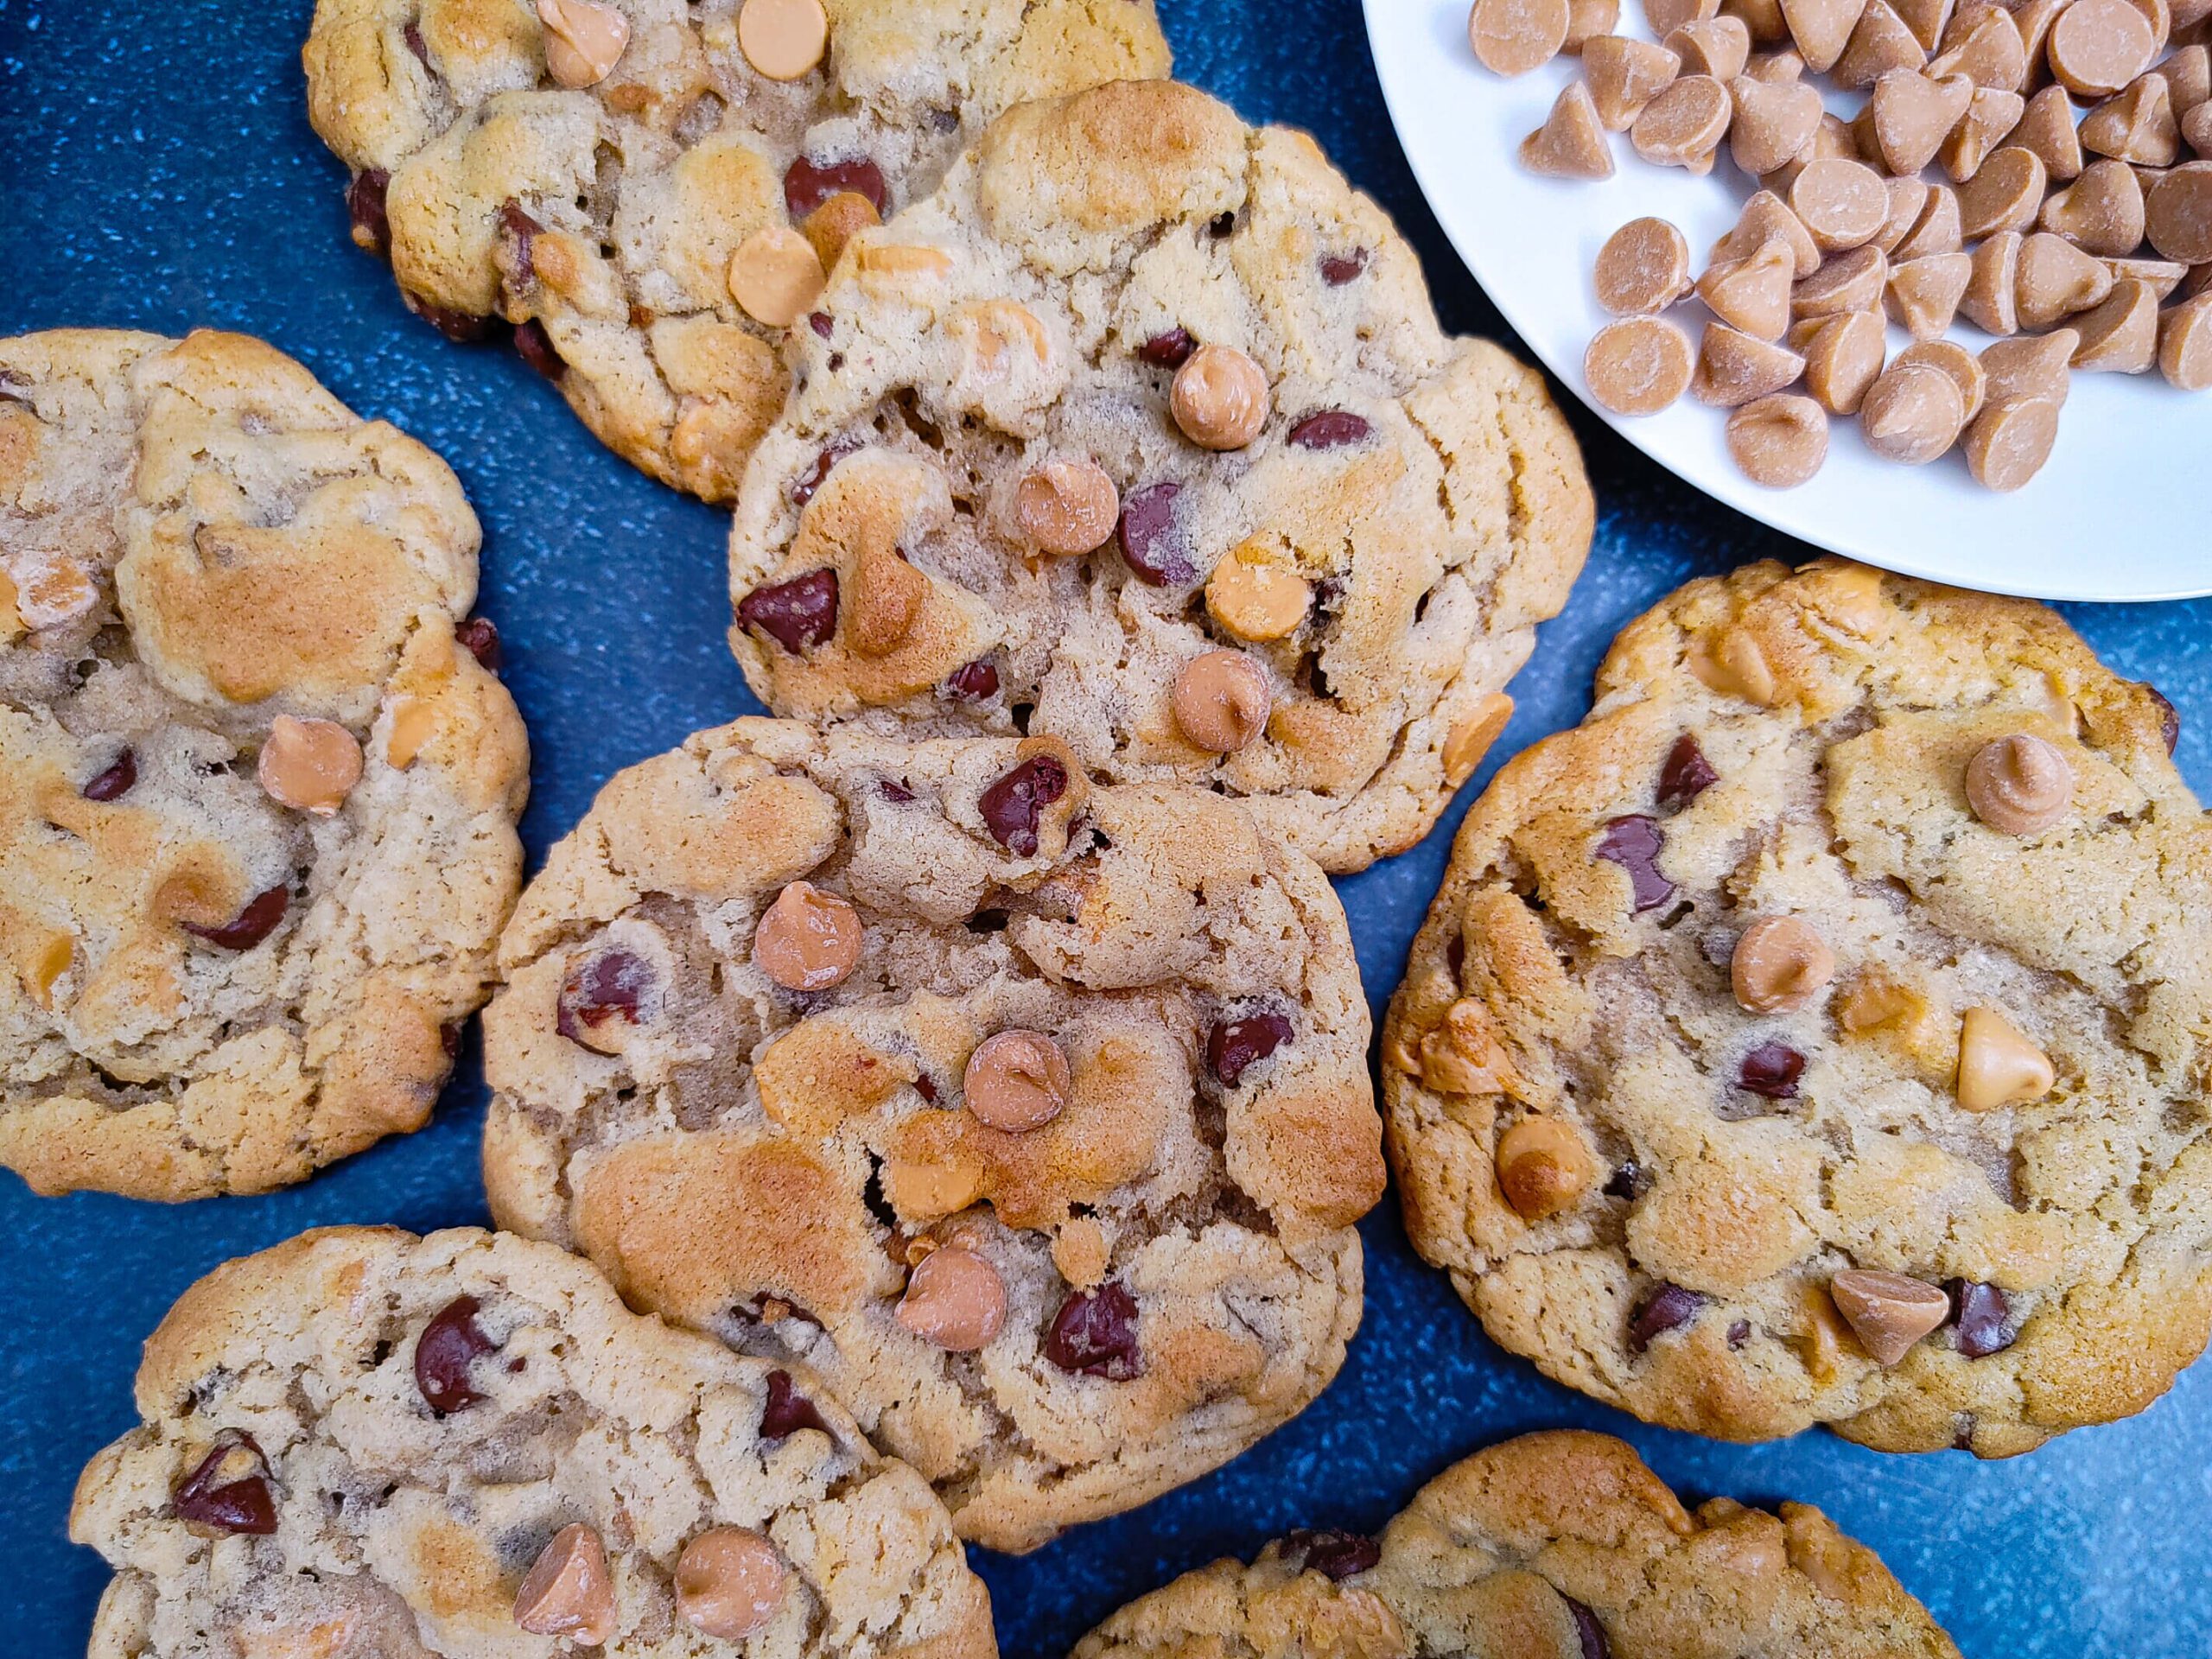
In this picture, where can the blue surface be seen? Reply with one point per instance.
(156, 171)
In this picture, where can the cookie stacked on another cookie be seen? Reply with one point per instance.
(650, 191)
(1141, 433)
(1554, 1546)
(257, 796)
(1819, 1034)
(364, 1445)
(1032, 1112)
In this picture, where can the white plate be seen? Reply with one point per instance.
(2122, 510)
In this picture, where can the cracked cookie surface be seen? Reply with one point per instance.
(294, 1491)
(1140, 432)
(257, 801)
(1554, 1546)
(1818, 1033)
(1061, 1270)
(650, 232)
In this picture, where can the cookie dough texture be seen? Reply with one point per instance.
(401, 1532)
(195, 540)
(768, 1165)
(608, 216)
(1554, 1546)
(1027, 314)
(1835, 710)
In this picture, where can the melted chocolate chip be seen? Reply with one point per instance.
(1739, 1333)
(450, 1038)
(1012, 805)
(1772, 1070)
(612, 985)
(449, 1344)
(805, 485)
(1663, 1310)
(241, 1504)
(253, 924)
(1150, 539)
(893, 791)
(1095, 1334)
(1233, 1045)
(1337, 268)
(925, 1086)
(413, 35)
(1633, 843)
(535, 346)
(1685, 775)
(364, 206)
(1980, 1311)
(1628, 1182)
(1332, 1553)
(1331, 428)
(2169, 717)
(808, 184)
(481, 638)
(115, 781)
(462, 327)
(787, 1411)
(1588, 1630)
(523, 231)
(820, 323)
(1168, 351)
(796, 614)
(973, 681)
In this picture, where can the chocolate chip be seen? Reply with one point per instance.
(1169, 350)
(1337, 268)
(974, 681)
(611, 985)
(893, 791)
(253, 924)
(481, 639)
(808, 184)
(1011, 806)
(522, 230)
(1095, 1334)
(1686, 775)
(449, 1344)
(364, 206)
(450, 1038)
(1588, 1630)
(2169, 717)
(807, 483)
(1772, 1070)
(1628, 1182)
(242, 1503)
(1331, 428)
(413, 35)
(1633, 843)
(1233, 1045)
(462, 327)
(1739, 1333)
(1662, 1310)
(1332, 1553)
(796, 614)
(115, 781)
(820, 323)
(535, 346)
(925, 1086)
(1980, 1311)
(787, 1411)
(1150, 539)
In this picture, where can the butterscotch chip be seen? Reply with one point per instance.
(1256, 594)
(1776, 68)
(1637, 365)
(566, 1591)
(2036, 366)
(1624, 75)
(1912, 113)
(1780, 440)
(809, 940)
(1472, 735)
(1924, 294)
(2162, 275)
(1926, 19)
(2120, 335)
(1067, 506)
(1219, 398)
(775, 275)
(782, 38)
(1643, 267)
(583, 41)
(1767, 218)
(1683, 124)
(2055, 280)
(1936, 230)
(2096, 47)
(1587, 20)
(1822, 28)
(1665, 16)
(1511, 37)
(1773, 123)
(2047, 131)
(1850, 282)
(310, 765)
(2034, 19)
(1733, 368)
(1989, 52)
(2103, 211)
(1542, 1167)
(1221, 700)
(2007, 443)
(2136, 125)
(1998, 1066)
(1763, 18)
(1016, 1081)
(1719, 47)
(1842, 203)
(1991, 300)
(1753, 294)
(955, 1299)
(2197, 129)
(1990, 119)
(1571, 144)
(1953, 360)
(2185, 344)
(2004, 195)
(1908, 202)
(1843, 357)
(1911, 413)
(2188, 75)
(1880, 42)
(2177, 216)
(836, 222)
(1888, 1312)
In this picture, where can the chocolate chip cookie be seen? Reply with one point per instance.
(1140, 432)
(1819, 1031)
(257, 792)
(650, 191)
(365, 1444)
(1554, 1546)
(1032, 1113)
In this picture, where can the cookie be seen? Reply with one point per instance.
(1033, 1114)
(1819, 1034)
(1141, 433)
(365, 1444)
(650, 191)
(257, 794)
(1554, 1546)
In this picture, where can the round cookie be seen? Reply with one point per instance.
(1034, 1115)
(1554, 1546)
(365, 1444)
(1140, 432)
(258, 797)
(618, 179)
(1819, 1031)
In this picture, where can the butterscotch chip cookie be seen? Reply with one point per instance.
(1554, 1546)
(365, 1443)
(1234, 354)
(653, 192)
(1853, 955)
(1032, 1113)
(258, 794)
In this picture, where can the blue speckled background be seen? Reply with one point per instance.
(156, 171)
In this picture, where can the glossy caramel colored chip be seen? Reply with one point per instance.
(1719, 47)
(1989, 122)
(1842, 203)
(2178, 214)
(1752, 293)
(2004, 195)
(2135, 125)
(1912, 414)
(1624, 76)
(2055, 280)
(2103, 211)
(1637, 365)
(1773, 123)
(2047, 129)
(1780, 440)
(1880, 42)
(1912, 113)
(2096, 47)
(1991, 300)
(1953, 360)
(1767, 218)
(2120, 336)
(1924, 294)
(1734, 368)
(1511, 37)
(1684, 125)
(2034, 366)
(2008, 442)
(1849, 282)
(2185, 344)
(1936, 230)
(1571, 144)
(1843, 357)
(1643, 267)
